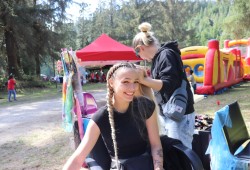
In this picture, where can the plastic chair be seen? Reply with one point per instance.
(90, 105)
(80, 125)
(237, 136)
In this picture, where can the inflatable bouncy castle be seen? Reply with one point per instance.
(216, 69)
(243, 45)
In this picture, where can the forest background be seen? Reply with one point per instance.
(33, 32)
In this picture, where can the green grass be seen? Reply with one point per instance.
(240, 93)
(94, 86)
(31, 94)
(36, 94)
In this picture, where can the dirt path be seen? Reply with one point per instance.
(31, 136)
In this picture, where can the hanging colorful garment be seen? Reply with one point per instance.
(67, 91)
(71, 92)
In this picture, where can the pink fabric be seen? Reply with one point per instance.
(79, 119)
(90, 105)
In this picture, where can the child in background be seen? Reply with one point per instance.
(192, 80)
(11, 88)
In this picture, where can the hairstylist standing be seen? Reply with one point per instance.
(167, 76)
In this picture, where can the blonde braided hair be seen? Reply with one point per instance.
(109, 97)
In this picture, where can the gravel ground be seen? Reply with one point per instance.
(31, 136)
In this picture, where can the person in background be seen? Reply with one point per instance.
(11, 88)
(92, 77)
(101, 73)
(97, 77)
(192, 80)
(127, 124)
(167, 74)
(103, 77)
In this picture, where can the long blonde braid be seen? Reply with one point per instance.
(109, 97)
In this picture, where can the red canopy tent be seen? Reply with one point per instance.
(106, 51)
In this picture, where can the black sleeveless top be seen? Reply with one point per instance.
(130, 128)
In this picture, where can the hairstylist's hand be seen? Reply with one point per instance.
(155, 84)
(142, 73)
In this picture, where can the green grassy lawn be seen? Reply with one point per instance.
(93, 86)
(36, 94)
(240, 92)
(31, 94)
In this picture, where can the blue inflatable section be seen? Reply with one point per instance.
(197, 72)
(221, 158)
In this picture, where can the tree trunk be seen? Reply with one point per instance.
(38, 71)
(11, 49)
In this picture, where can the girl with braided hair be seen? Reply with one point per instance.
(127, 124)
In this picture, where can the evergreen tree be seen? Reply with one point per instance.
(28, 33)
(238, 21)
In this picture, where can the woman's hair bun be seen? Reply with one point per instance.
(145, 27)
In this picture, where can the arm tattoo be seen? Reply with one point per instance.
(158, 163)
(159, 153)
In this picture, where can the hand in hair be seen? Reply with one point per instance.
(142, 73)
